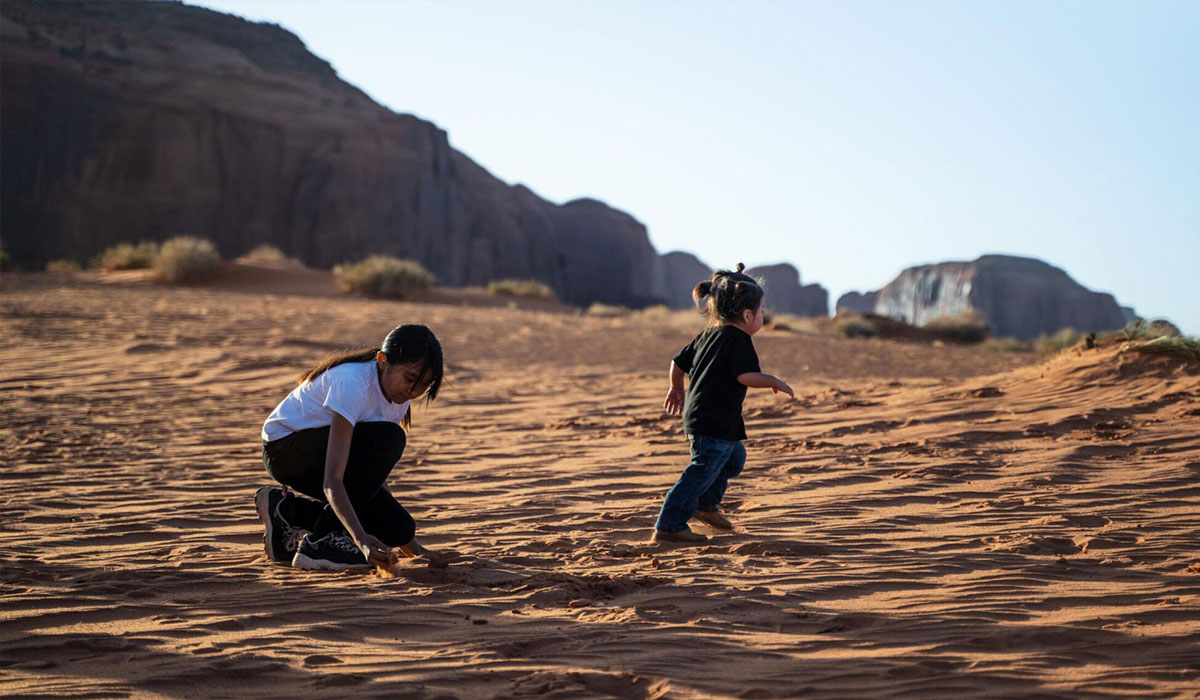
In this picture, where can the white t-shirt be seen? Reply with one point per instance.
(350, 389)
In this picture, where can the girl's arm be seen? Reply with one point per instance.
(758, 380)
(336, 456)
(674, 401)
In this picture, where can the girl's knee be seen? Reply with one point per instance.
(400, 534)
(383, 436)
(399, 530)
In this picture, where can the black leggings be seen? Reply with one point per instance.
(298, 461)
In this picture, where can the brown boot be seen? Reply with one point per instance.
(713, 518)
(684, 536)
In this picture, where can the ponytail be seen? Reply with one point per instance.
(728, 294)
(336, 359)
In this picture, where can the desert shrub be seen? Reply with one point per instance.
(126, 256)
(1161, 326)
(1140, 329)
(266, 253)
(1057, 342)
(657, 312)
(1007, 345)
(1158, 337)
(966, 327)
(5, 260)
(818, 325)
(530, 289)
(383, 276)
(1134, 330)
(853, 326)
(607, 310)
(1167, 345)
(186, 259)
(63, 265)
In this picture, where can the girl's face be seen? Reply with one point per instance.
(400, 382)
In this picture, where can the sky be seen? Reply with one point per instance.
(850, 138)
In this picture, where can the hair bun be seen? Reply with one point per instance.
(740, 267)
(702, 290)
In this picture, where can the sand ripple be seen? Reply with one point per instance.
(921, 522)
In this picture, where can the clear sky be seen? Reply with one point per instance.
(850, 138)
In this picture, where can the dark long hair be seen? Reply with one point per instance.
(405, 345)
(728, 294)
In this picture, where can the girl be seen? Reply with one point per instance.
(720, 363)
(335, 439)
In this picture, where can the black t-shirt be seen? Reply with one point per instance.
(713, 361)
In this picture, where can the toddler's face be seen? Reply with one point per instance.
(755, 323)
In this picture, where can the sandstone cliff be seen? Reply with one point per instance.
(1021, 297)
(857, 303)
(677, 275)
(126, 121)
(785, 294)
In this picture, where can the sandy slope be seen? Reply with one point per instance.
(922, 522)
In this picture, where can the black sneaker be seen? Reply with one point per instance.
(333, 552)
(281, 538)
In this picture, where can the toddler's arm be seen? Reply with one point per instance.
(674, 401)
(759, 380)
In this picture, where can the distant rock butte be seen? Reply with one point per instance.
(127, 121)
(1021, 297)
(677, 275)
(785, 294)
(857, 303)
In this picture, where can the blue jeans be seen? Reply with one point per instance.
(702, 485)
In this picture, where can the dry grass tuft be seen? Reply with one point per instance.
(63, 266)
(607, 310)
(126, 256)
(383, 276)
(1007, 345)
(1177, 345)
(966, 327)
(186, 259)
(527, 289)
(1157, 338)
(1051, 343)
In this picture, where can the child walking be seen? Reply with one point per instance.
(720, 364)
(333, 441)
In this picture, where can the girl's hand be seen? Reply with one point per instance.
(673, 404)
(437, 560)
(376, 552)
(784, 388)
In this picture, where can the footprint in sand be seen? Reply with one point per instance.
(1034, 544)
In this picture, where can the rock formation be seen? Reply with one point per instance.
(857, 303)
(128, 121)
(677, 275)
(1021, 297)
(785, 293)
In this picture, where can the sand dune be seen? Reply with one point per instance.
(920, 522)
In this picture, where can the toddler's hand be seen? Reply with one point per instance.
(784, 388)
(674, 402)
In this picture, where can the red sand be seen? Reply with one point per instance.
(922, 522)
